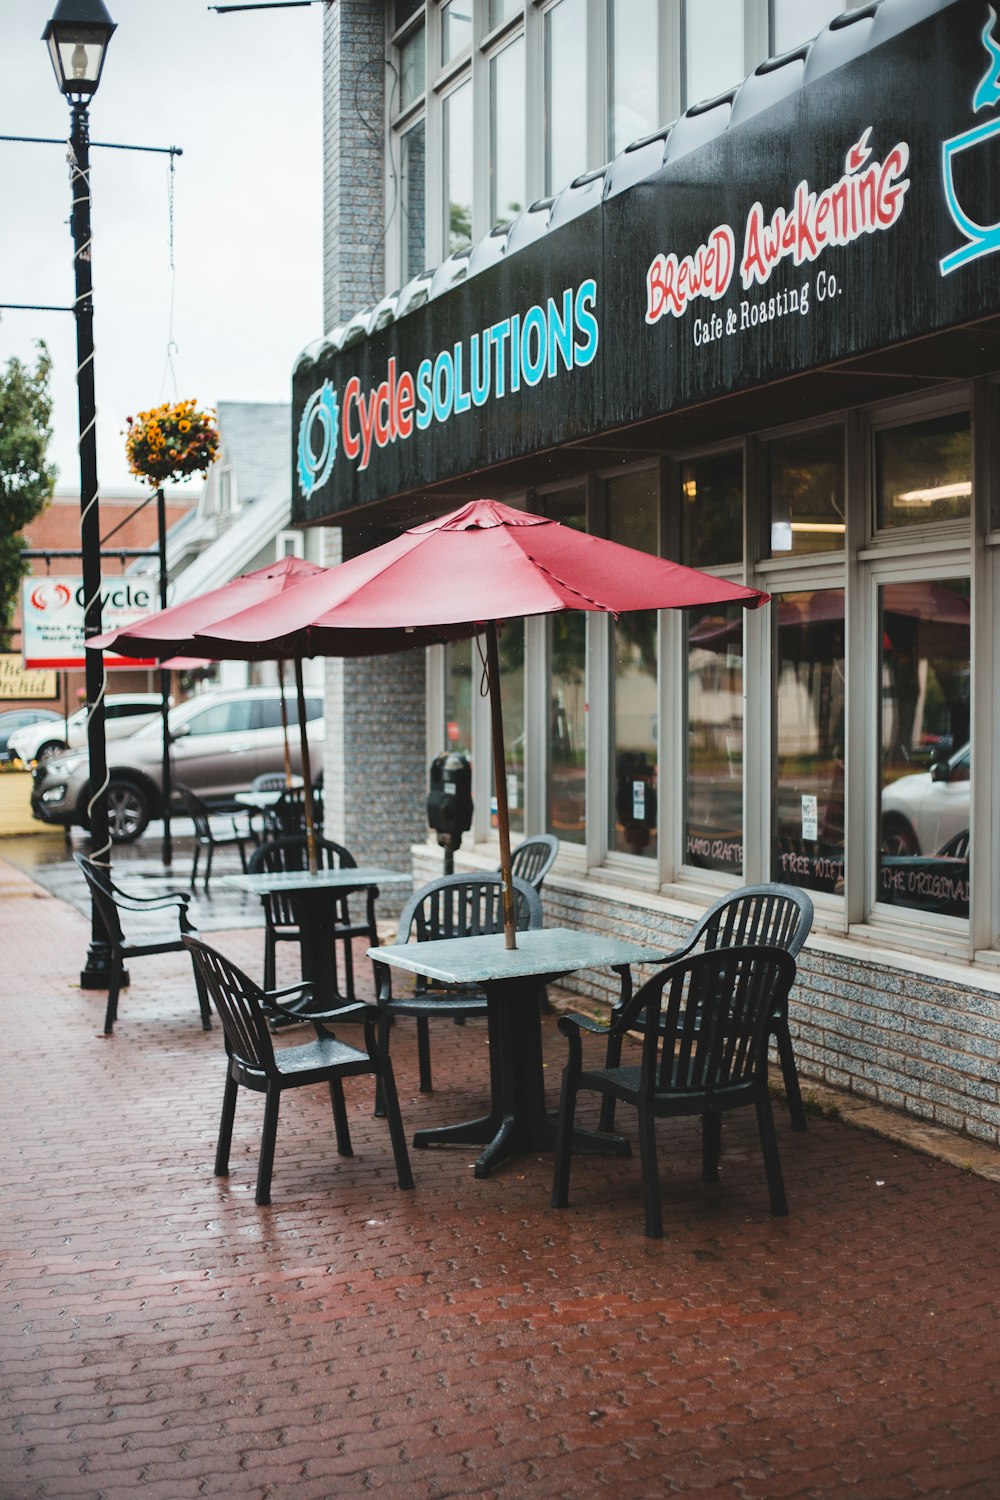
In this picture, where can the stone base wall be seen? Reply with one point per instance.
(863, 1019)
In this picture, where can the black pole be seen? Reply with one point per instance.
(161, 527)
(96, 971)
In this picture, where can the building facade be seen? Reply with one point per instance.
(761, 340)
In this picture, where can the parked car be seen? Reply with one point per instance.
(924, 813)
(22, 718)
(221, 740)
(124, 713)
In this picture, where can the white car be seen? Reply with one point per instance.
(124, 713)
(928, 812)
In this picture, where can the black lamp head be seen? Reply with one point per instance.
(78, 36)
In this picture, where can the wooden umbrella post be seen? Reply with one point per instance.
(307, 795)
(500, 778)
(284, 722)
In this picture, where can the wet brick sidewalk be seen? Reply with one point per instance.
(163, 1337)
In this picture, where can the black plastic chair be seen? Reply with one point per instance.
(704, 1051)
(111, 901)
(244, 1011)
(533, 859)
(207, 837)
(280, 922)
(287, 818)
(452, 907)
(778, 915)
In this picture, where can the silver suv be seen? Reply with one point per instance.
(221, 740)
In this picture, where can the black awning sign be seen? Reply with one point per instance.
(866, 199)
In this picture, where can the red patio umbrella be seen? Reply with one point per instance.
(458, 576)
(169, 635)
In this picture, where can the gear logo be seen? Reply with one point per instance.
(314, 467)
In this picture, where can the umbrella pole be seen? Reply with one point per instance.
(284, 722)
(500, 779)
(307, 795)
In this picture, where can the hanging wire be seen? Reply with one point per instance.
(172, 349)
(484, 679)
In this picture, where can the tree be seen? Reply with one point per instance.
(26, 479)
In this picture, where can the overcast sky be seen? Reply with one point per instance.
(241, 95)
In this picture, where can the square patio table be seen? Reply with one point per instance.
(312, 897)
(518, 1121)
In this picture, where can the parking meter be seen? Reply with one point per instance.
(449, 803)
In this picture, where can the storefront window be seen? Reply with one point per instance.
(808, 800)
(632, 53)
(713, 783)
(925, 763)
(458, 689)
(797, 21)
(413, 200)
(633, 505)
(806, 477)
(923, 472)
(712, 510)
(567, 744)
(565, 93)
(512, 689)
(507, 146)
(713, 48)
(412, 68)
(457, 112)
(456, 28)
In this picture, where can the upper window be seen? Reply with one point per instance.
(565, 93)
(457, 111)
(412, 68)
(222, 718)
(503, 10)
(413, 199)
(507, 142)
(797, 21)
(924, 472)
(632, 53)
(712, 510)
(713, 48)
(456, 29)
(806, 477)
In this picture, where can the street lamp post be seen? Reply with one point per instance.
(78, 35)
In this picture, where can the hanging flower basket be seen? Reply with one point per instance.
(171, 443)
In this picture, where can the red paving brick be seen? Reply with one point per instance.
(162, 1337)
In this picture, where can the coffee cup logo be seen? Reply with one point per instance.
(981, 239)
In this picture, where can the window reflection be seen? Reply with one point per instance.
(808, 847)
(923, 472)
(712, 510)
(713, 48)
(633, 504)
(412, 68)
(567, 745)
(503, 10)
(925, 763)
(458, 684)
(458, 167)
(412, 200)
(456, 28)
(806, 475)
(632, 53)
(713, 784)
(565, 93)
(512, 690)
(507, 148)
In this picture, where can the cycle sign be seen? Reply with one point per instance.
(52, 620)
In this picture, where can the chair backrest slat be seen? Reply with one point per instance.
(708, 1017)
(777, 915)
(238, 1002)
(466, 906)
(533, 859)
(98, 877)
